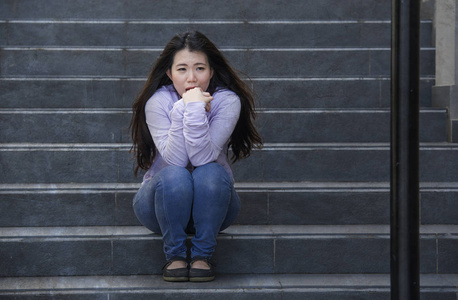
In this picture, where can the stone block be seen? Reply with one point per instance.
(138, 256)
(312, 10)
(291, 63)
(61, 93)
(379, 35)
(326, 256)
(223, 35)
(277, 35)
(7, 9)
(439, 207)
(435, 167)
(59, 166)
(67, 34)
(127, 165)
(447, 258)
(342, 126)
(166, 10)
(3, 33)
(86, 127)
(20, 210)
(131, 89)
(254, 208)
(70, 62)
(125, 215)
(329, 208)
(338, 295)
(315, 93)
(55, 258)
(455, 132)
(201, 295)
(249, 169)
(326, 165)
(342, 255)
(236, 256)
(368, 295)
(68, 9)
(437, 295)
(56, 296)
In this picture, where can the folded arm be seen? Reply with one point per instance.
(207, 134)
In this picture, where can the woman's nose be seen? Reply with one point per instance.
(191, 76)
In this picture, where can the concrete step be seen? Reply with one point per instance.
(321, 126)
(275, 203)
(275, 126)
(243, 287)
(214, 10)
(224, 33)
(104, 251)
(256, 62)
(108, 163)
(86, 92)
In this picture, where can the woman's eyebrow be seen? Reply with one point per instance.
(185, 64)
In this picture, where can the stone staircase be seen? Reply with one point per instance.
(315, 216)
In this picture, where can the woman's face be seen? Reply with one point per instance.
(190, 70)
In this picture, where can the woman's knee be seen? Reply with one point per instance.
(212, 184)
(212, 174)
(175, 179)
(173, 173)
(171, 186)
(143, 206)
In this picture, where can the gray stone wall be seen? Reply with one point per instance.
(445, 92)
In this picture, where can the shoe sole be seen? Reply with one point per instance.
(201, 279)
(175, 279)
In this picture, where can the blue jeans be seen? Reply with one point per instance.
(176, 202)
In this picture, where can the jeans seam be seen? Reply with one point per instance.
(164, 203)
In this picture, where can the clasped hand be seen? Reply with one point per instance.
(197, 95)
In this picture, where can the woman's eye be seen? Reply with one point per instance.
(181, 69)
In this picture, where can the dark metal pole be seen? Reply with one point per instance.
(405, 81)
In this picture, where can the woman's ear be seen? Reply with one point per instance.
(169, 74)
(211, 73)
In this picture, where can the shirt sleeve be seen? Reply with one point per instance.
(205, 133)
(165, 123)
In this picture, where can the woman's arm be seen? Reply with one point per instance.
(205, 136)
(165, 123)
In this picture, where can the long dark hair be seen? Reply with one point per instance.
(244, 137)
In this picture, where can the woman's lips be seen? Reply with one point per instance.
(190, 88)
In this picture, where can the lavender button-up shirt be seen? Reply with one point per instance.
(187, 135)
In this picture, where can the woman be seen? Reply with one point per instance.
(192, 108)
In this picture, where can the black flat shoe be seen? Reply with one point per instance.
(175, 275)
(202, 275)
